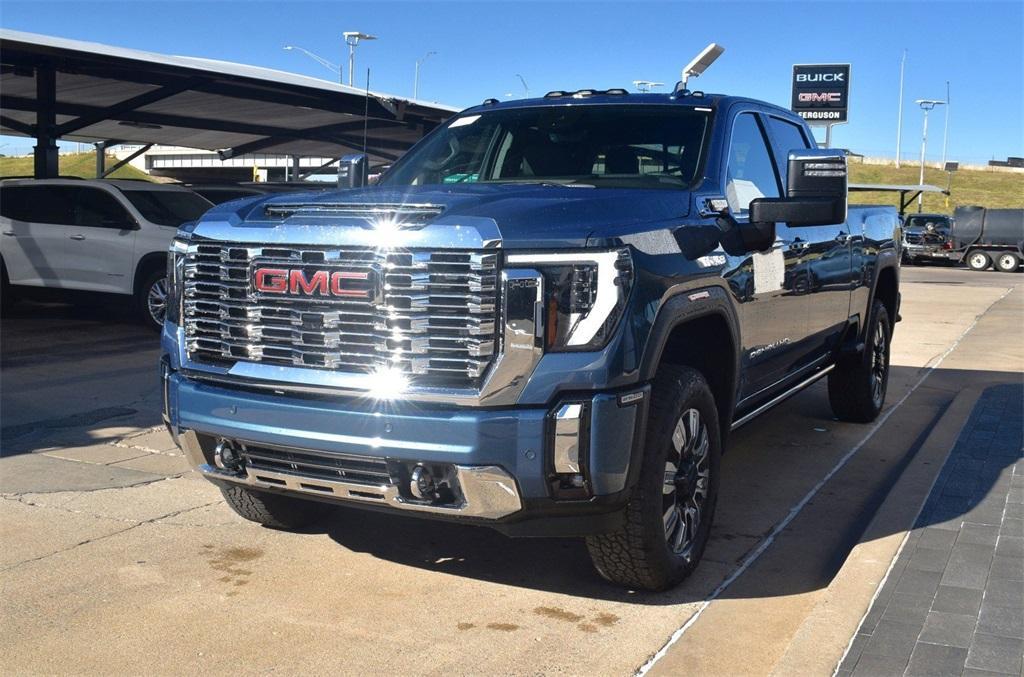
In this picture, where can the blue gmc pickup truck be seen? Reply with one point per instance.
(546, 318)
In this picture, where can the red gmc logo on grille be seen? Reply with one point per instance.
(315, 283)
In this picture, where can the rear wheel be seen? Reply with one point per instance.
(668, 518)
(978, 260)
(151, 299)
(856, 390)
(273, 510)
(1007, 262)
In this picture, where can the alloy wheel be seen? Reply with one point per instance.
(156, 300)
(687, 477)
(879, 364)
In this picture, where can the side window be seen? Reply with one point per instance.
(749, 173)
(96, 208)
(36, 204)
(787, 137)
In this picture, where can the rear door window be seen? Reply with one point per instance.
(788, 136)
(37, 204)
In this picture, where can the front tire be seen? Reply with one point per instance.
(151, 300)
(856, 390)
(978, 260)
(273, 510)
(670, 510)
(1007, 262)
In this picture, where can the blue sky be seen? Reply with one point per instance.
(481, 46)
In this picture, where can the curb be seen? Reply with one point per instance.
(824, 637)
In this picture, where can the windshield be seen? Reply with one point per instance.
(603, 146)
(168, 207)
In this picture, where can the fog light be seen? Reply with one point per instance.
(226, 456)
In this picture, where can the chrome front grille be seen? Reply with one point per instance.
(430, 315)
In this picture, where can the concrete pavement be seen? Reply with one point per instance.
(118, 559)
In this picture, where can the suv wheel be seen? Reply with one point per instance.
(1007, 262)
(273, 510)
(151, 299)
(856, 390)
(668, 518)
(978, 260)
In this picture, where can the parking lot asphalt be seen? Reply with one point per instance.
(119, 559)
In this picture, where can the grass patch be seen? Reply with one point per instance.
(970, 187)
(71, 164)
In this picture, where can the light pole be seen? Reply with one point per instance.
(416, 80)
(926, 105)
(525, 87)
(899, 115)
(353, 38)
(316, 57)
(945, 128)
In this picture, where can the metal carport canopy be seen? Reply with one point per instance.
(54, 88)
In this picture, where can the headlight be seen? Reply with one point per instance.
(175, 278)
(584, 295)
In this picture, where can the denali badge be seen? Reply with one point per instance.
(313, 283)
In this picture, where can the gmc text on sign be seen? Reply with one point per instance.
(821, 92)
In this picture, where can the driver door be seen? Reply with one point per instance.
(766, 285)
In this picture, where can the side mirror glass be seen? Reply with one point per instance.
(353, 170)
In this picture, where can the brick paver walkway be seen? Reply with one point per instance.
(953, 603)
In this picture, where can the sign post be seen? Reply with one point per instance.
(821, 95)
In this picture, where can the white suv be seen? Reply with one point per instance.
(95, 236)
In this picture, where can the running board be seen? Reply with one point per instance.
(779, 398)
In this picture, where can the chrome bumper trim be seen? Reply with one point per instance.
(488, 492)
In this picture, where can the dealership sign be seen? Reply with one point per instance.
(821, 92)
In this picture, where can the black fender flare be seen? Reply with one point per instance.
(886, 259)
(148, 262)
(686, 306)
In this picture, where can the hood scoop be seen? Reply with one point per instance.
(400, 214)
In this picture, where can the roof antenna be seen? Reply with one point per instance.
(366, 108)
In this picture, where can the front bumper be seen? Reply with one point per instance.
(501, 461)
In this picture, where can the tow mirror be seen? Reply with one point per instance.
(353, 170)
(816, 191)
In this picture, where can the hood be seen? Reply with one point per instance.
(521, 215)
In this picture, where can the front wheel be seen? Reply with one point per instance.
(978, 260)
(273, 510)
(151, 300)
(668, 518)
(1007, 262)
(856, 390)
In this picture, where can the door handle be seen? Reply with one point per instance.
(77, 237)
(10, 233)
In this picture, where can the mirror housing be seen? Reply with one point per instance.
(816, 191)
(353, 170)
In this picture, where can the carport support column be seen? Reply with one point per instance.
(101, 158)
(46, 160)
(295, 175)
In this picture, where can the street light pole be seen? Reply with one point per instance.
(945, 129)
(926, 105)
(352, 39)
(319, 59)
(899, 115)
(416, 80)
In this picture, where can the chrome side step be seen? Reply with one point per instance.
(783, 396)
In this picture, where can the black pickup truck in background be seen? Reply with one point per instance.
(983, 237)
(926, 237)
(546, 318)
